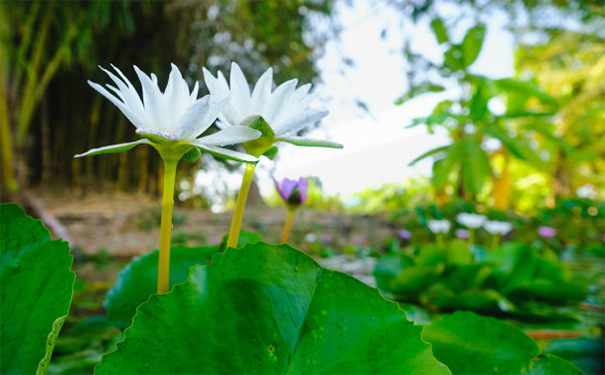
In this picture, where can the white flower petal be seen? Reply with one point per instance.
(262, 90)
(216, 85)
(230, 136)
(279, 98)
(194, 92)
(153, 101)
(225, 153)
(240, 91)
(194, 121)
(127, 92)
(136, 120)
(113, 148)
(300, 120)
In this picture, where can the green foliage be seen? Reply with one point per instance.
(51, 48)
(512, 280)
(267, 308)
(470, 344)
(533, 277)
(36, 291)
(553, 118)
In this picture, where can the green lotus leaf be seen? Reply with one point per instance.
(36, 292)
(586, 353)
(138, 280)
(551, 364)
(413, 280)
(270, 309)
(386, 269)
(471, 344)
(487, 300)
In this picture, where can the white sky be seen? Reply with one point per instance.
(378, 148)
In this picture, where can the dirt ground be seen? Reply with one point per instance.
(126, 225)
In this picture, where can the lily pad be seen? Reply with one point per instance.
(551, 364)
(270, 309)
(36, 291)
(138, 280)
(471, 344)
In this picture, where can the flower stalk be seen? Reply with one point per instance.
(495, 241)
(166, 225)
(287, 225)
(440, 240)
(238, 215)
(471, 236)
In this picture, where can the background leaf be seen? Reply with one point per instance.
(471, 344)
(471, 45)
(138, 280)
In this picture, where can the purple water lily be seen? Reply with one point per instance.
(292, 192)
(405, 234)
(547, 232)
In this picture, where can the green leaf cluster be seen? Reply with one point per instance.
(511, 280)
(259, 308)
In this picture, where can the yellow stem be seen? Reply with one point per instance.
(495, 241)
(471, 236)
(440, 242)
(238, 215)
(286, 232)
(166, 225)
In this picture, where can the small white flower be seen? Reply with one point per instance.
(174, 117)
(471, 220)
(439, 226)
(498, 227)
(286, 109)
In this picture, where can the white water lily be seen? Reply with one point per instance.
(498, 227)
(172, 120)
(473, 221)
(439, 226)
(286, 109)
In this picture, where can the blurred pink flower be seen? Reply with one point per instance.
(358, 240)
(547, 232)
(405, 234)
(462, 234)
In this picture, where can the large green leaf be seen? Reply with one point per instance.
(471, 344)
(36, 291)
(270, 309)
(138, 280)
